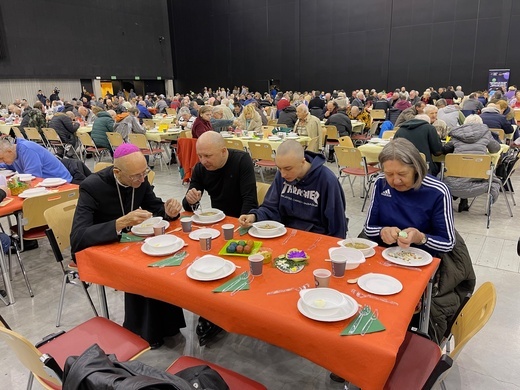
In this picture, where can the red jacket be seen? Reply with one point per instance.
(200, 126)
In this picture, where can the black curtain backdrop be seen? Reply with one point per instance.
(348, 44)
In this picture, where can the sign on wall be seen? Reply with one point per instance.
(498, 79)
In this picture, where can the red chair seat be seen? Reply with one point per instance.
(407, 374)
(360, 171)
(31, 234)
(111, 337)
(234, 380)
(265, 163)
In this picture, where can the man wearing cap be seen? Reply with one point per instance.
(112, 201)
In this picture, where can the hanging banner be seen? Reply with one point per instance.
(498, 79)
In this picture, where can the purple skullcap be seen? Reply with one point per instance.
(125, 150)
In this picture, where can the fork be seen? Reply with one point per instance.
(364, 312)
(293, 233)
(249, 280)
(243, 276)
(361, 295)
(372, 318)
(314, 244)
(389, 264)
(289, 289)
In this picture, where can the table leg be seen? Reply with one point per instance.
(19, 219)
(7, 280)
(102, 300)
(424, 318)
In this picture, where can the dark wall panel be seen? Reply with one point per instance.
(73, 39)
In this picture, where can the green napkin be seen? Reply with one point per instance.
(125, 237)
(243, 230)
(360, 324)
(239, 282)
(171, 261)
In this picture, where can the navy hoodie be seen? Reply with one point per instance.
(315, 203)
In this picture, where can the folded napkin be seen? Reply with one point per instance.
(240, 282)
(171, 261)
(364, 323)
(126, 237)
(6, 201)
(243, 230)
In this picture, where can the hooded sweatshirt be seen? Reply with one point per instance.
(450, 115)
(315, 203)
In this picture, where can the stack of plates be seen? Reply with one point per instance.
(52, 182)
(209, 268)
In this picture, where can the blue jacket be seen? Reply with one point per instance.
(143, 112)
(315, 203)
(494, 120)
(427, 209)
(34, 159)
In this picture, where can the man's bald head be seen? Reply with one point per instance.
(211, 137)
(212, 151)
(290, 147)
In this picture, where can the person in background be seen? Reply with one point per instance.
(103, 124)
(308, 125)
(128, 123)
(202, 123)
(218, 123)
(28, 157)
(66, 127)
(41, 97)
(249, 119)
(110, 201)
(33, 117)
(304, 195)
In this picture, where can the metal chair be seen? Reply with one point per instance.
(114, 139)
(142, 143)
(34, 135)
(345, 141)
(389, 134)
(262, 155)
(17, 132)
(378, 115)
(54, 141)
(473, 166)
(350, 162)
(261, 190)
(149, 123)
(272, 122)
(54, 349)
(90, 147)
(59, 219)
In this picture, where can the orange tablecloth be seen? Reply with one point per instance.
(364, 360)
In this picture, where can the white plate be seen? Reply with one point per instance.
(274, 138)
(7, 172)
(347, 311)
(29, 178)
(147, 231)
(424, 258)
(227, 136)
(30, 194)
(246, 137)
(227, 270)
(219, 217)
(195, 235)
(276, 233)
(52, 182)
(371, 252)
(208, 265)
(379, 284)
(150, 251)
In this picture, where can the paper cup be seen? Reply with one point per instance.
(186, 224)
(338, 263)
(256, 263)
(321, 277)
(229, 230)
(205, 242)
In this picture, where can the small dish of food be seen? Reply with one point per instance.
(267, 227)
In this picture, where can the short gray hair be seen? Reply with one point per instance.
(303, 108)
(6, 145)
(423, 117)
(402, 150)
(473, 119)
(218, 109)
(184, 110)
(429, 108)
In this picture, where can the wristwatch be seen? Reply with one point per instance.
(423, 241)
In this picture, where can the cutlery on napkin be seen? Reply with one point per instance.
(240, 282)
(171, 261)
(243, 230)
(125, 237)
(367, 321)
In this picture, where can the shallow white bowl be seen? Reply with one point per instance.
(347, 243)
(208, 214)
(322, 301)
(161, 243)
(354, 256)
(267, 227)
(208, 265)
(25, 176)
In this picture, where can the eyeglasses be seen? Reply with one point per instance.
(138, 176)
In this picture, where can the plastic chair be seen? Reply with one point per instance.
(59, 219)
(389, 134)
(261, 190)
(34, 135)
(235, 144)
(313, 144)
(350, 162)
(17, 132)
(234, 380)
(54, 140)
(473, 166)
(377, 114)
(114, 139)
(111, 337)
(149, 123)
(142, 143)
(262, 155)
(500, 132)
(171, 111)
(90, 147)
(346, 141)
(272, 122)
(332, 136)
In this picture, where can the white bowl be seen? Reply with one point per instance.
(208, 214)
(354, 256)
(25, 176)
(148, 224)
(162, 243)
(362, 244)
(322, 301)
(267, 227)
(208, 265)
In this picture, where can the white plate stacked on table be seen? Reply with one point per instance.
(32, 192)
(410, 257)
(7, 172)
(209, 267)
(246, 137)
(347, 309)
(379, 284)
(292, 136)
(226, 135)
(145, 228)
(274, 138)
(153, 131)
(162, 245)
(195, 235)
(52, 182)
(27, 177)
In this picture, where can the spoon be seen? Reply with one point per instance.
(352, 281)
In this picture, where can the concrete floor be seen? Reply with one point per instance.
(487, 362)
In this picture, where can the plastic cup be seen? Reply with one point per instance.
(186, 224)
(338, 266)
(256, 263)
(205, 242)
(321, 277)
(158, 229)
(229, 230)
